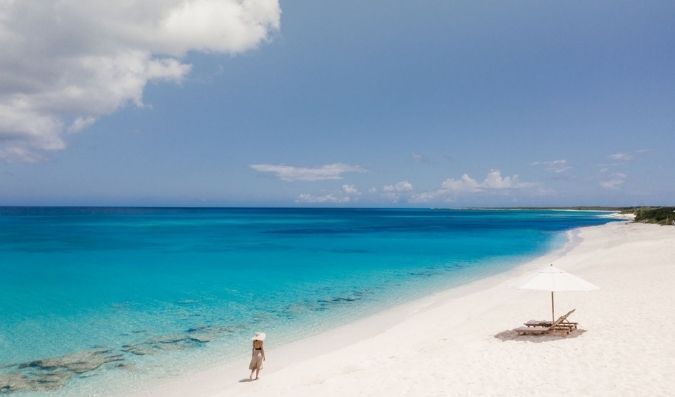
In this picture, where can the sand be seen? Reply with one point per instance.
(459, 342)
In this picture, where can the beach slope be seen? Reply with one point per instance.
(459, 342)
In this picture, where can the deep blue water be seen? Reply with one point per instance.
(146, 289)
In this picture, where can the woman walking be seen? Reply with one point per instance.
(257, 355)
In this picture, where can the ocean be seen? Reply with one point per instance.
(94, 300)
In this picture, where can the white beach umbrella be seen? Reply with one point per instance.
(553, 279)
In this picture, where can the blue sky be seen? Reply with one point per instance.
(350, 103)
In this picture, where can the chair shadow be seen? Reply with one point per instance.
(512, 335)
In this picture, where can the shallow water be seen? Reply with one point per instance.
(121, 295)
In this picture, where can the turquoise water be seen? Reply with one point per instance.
(132, 293)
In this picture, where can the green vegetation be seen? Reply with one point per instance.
(623, 210)
(660, 215)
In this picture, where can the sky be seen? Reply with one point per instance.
(337, 103)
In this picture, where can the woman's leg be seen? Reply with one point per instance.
(257, 371)
(250, 377)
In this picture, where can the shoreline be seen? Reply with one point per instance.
(224, 379)
(142, 342)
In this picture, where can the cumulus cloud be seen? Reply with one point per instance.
(614, 181)
(291, 173)
(555, 166)
(350, 189)
(620, 156)
(396, 191)
(65, 63)
(399, 187)
(463, 184)
(494, 181)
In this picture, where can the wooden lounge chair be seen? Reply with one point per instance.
(560, 324)
(548, 323)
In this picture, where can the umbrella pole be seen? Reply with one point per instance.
(552, 309)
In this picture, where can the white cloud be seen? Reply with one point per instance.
(556, 166)
(348, 193)
(450, 188)
(81, 123)
(350, 189)
(420, 158)
(16, 153)
(394, 192)
(425, 197)
(614, 181)
(463, 184)
(399, 187)
(621, 156)
(291, 173)
(325, 198)
(65, 63)
(493, 181)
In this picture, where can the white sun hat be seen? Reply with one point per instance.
(259, 336)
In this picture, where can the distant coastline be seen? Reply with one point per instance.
(642, 214)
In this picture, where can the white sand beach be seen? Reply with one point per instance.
(458, 342)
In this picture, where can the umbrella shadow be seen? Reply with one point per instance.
(512, 335)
